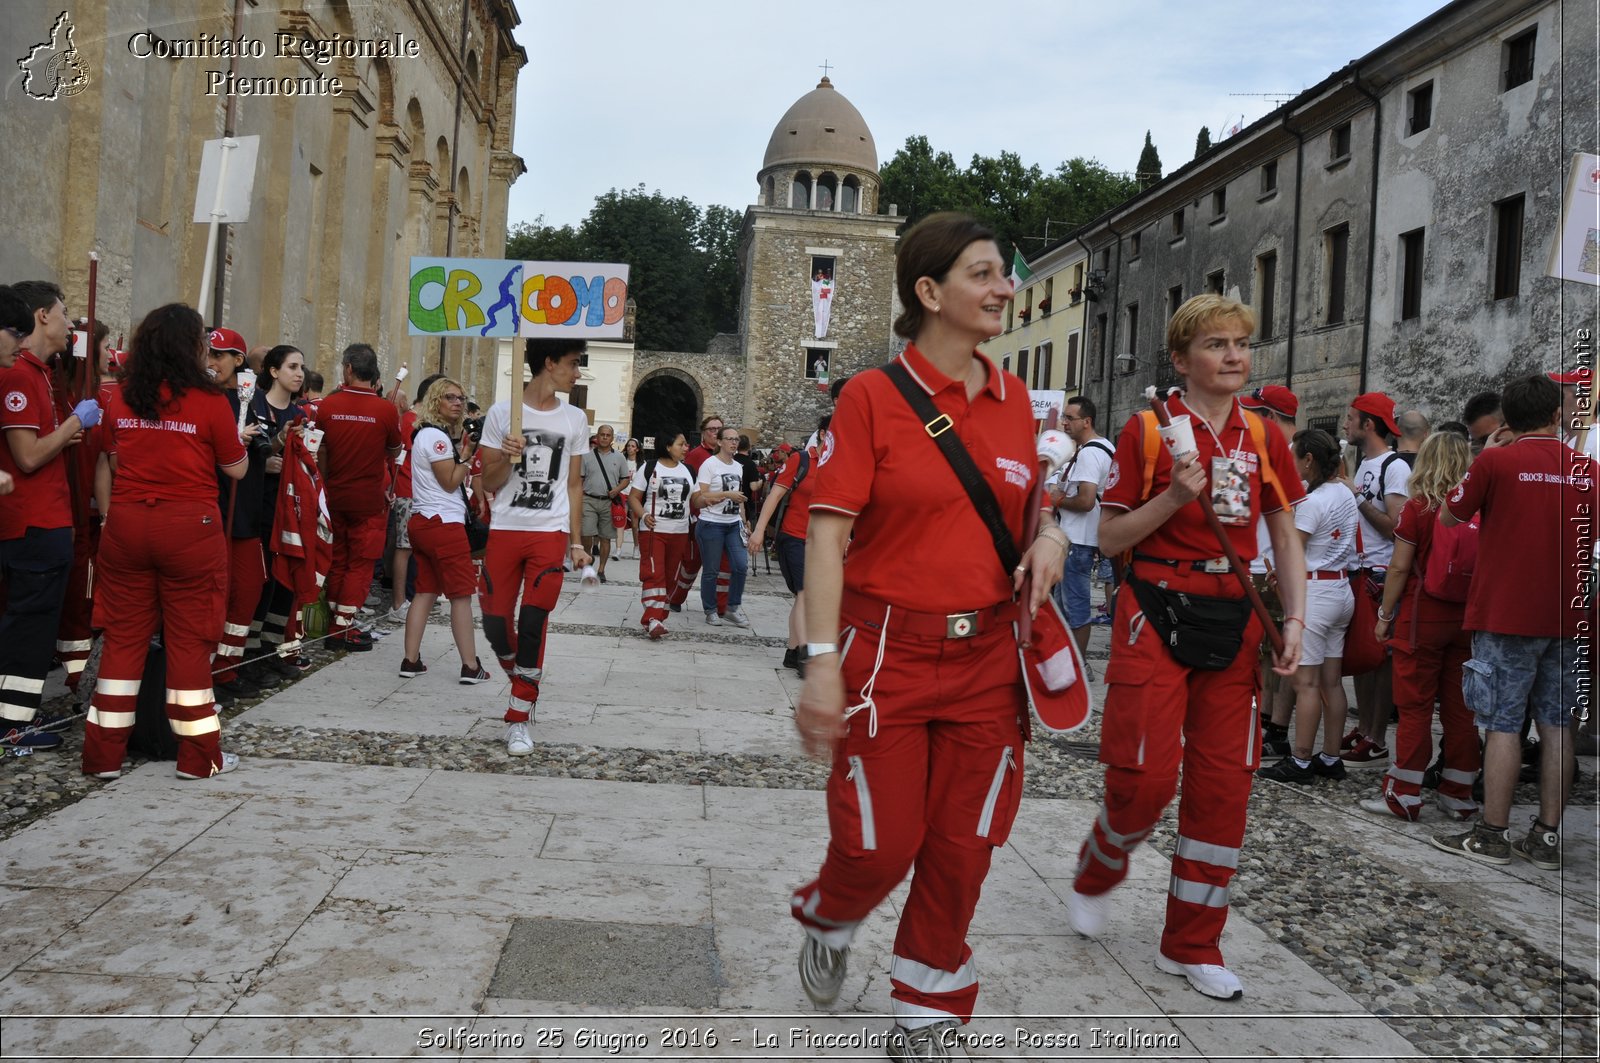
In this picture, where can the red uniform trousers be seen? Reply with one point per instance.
(660, 555)
(1151, 703)
(247, 574)
(162, 568)
(358, 540)
(75, 632)
(930, 773)
(1427, 665)
(689, 568)
(443, 556)
(532, 565)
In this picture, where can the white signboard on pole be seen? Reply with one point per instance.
(1575, 256)
(226, 180)
(1045, 401)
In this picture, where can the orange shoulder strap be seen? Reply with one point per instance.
(1258, 436)
(1150, 429)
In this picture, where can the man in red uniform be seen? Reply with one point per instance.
(1159, 712)
(361, 439)
(36, 518)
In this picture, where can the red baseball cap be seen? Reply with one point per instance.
(1582, 375)
(225, 339)
(1273, 397)
(1377, 404)
(116, 357)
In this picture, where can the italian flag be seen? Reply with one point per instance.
(1020, 273)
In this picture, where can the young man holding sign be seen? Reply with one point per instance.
(532, 457)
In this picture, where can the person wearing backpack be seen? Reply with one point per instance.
(1421, 615)
(788, 508)
(1076, 495)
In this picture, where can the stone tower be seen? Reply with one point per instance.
(817, 260)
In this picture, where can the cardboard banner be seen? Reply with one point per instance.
(1575, 255)
(501, 297)
(1045, 401)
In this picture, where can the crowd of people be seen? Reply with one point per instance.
(197, 494)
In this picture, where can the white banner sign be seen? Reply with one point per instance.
(1576, 254)
(1045, 401)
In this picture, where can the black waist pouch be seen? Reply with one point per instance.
(1199, 631)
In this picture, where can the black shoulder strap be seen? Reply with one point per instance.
(1383, 477)
(938, 426)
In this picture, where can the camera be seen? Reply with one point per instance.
(473, 427)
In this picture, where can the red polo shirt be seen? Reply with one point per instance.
(360, 429)
(1537, 500)
(919, 543)
(41, 498)
(1186, 536)
(175, 458)
(798, 516)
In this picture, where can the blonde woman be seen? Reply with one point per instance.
(1428, 648)
(438, 527)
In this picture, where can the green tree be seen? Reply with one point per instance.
(1148, 172)
(718, 240)
(922, 182)
(537, 241)
(1202, 143)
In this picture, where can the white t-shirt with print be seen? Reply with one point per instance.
(534, 496)
(1092, 464)
(667, 496)
(719, 475)
(1396, 481)
(1328, 514)
(428, 499)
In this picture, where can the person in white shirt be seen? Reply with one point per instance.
(1075, 491)
(1326, 520)
(535, 521)
(1278, 406)
(1381, 487)
(659, 498)
(720, 529)
(438, 528)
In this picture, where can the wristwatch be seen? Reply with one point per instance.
(817, 649)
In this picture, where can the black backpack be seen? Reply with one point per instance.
(788, 496)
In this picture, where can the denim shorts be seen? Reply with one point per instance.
(1510, 674)
(1072, 593)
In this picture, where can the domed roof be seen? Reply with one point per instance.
(822, 129)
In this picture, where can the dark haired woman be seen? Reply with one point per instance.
(658, 502)
(163, 558)
(913, 685)
(1326, 521)
(276, 409)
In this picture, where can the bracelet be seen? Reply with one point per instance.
(1296, 619)
(574, 546)
(1059, 538)
(1386, 619)
(817, 649)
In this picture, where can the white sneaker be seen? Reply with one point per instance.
(229, 762)
(822, 970)
(712, 618)
(1088, 913)
(519, 743)
(401, 610)
(737, 618)
(1212, 979)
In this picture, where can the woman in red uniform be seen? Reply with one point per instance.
(790, 537)
(913, 685)
(163, 558)
(1158, 711)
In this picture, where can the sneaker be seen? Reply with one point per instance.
(261, 676)
(1323, 770)
(1387, 805)
(222, 699)
(1276, 744)
(602, 576)
(1480, 843)
(372, 600)
(1366, 754)
(57, 723)
(657, 630)
(1435, 772)
(350, 640)
(925, 1042)
(401, 611)
(822, 970)
(1540, 847)
(1101, 618)
(1286, 770)
(791, 657)
(737, 618)
(1349, 741)
(1460, 815)
(229, 762)
(411, 669)
(519, 743)
(238, 687)
(675, 607)
(1087, 913)
(473, 674)
(30, 739)
(114, 773)
(712, 618)
(1212, 979)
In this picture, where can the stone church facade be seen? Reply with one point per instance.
(347, 187)
(817, 211)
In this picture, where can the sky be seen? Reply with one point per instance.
(682, 98)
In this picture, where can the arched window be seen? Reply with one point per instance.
(770, 198)
(472, 69)
(800, 193)
(827, 192)
(850, 196)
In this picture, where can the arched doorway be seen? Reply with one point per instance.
(666, 400)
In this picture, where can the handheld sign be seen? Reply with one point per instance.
(479, 297)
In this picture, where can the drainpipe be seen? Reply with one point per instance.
(1372, 224)
(1294, 250)
(455, 159)
(1113, 317)
(230, 114)
(1088, 268)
